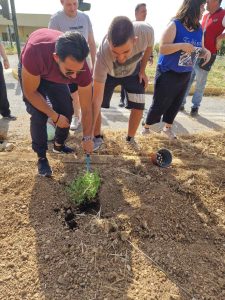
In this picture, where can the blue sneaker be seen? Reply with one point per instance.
(62, 149)
(43, 167)
(98, 141)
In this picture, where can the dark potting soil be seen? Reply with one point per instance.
(90, 207)
(70, 218)
(69, 214)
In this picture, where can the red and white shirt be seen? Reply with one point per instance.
(213, 25)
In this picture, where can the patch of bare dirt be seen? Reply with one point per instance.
(159, 233)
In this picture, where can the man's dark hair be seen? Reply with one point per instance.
(72, 43)
(189, 13)
(138, 6)
(120, 31)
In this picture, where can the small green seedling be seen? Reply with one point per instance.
(84, 188)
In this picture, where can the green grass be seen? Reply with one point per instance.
(216, 77)
(84, 188)
(10, 50)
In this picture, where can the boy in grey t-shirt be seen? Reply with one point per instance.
(121, 60)
(71, 19)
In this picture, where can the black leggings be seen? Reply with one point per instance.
(169, 91)
(4, 102)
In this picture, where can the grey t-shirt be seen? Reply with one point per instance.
(81, 22)
(106, 63)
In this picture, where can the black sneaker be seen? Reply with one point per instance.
(9, 117)
(43, 167)
(62, 149)
(194, 111)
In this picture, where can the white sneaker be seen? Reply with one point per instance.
(167, 132)
(145, 131)
(75, 123)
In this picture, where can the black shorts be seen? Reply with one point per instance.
(73, 87)
(135, 91)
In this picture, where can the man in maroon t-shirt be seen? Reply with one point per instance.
(50, 61)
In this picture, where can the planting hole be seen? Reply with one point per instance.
(70, 218)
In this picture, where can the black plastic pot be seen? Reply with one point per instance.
(162, 158)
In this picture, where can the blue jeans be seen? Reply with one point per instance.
(201, 79)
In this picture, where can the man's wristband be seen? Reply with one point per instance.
(86, 138)
(56, 119)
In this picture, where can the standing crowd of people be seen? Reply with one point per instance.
(65, 85)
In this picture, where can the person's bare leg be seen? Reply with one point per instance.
(134, 121)
(76, 104)
(97, 130)
(76, 107)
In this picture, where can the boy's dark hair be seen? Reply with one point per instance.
(120, 31)
(138, 6)
(72, 43)
(189, 13)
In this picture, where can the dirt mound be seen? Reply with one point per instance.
(158, 234)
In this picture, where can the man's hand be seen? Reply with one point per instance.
(143, 76)
(6, 63)
(62, 122)
(206, 56)
(188, 48)
(218, 43)
(88, 146)
(150, 61)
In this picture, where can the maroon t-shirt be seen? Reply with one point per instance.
(37, 58)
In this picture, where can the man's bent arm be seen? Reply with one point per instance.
(145, 58)
(219, 41)
(30, 90)
(92, 46)
(98, 91)
(85, 98)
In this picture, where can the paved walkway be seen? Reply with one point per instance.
(212, 112)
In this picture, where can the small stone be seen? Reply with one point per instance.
(124, 235)
(47, 257)
(129, 268)
(24, 256)
(23, 294)
(174, 297)
(45, 272)
(60, 279)
(9, 147)
(144, 224)
(112, 276)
